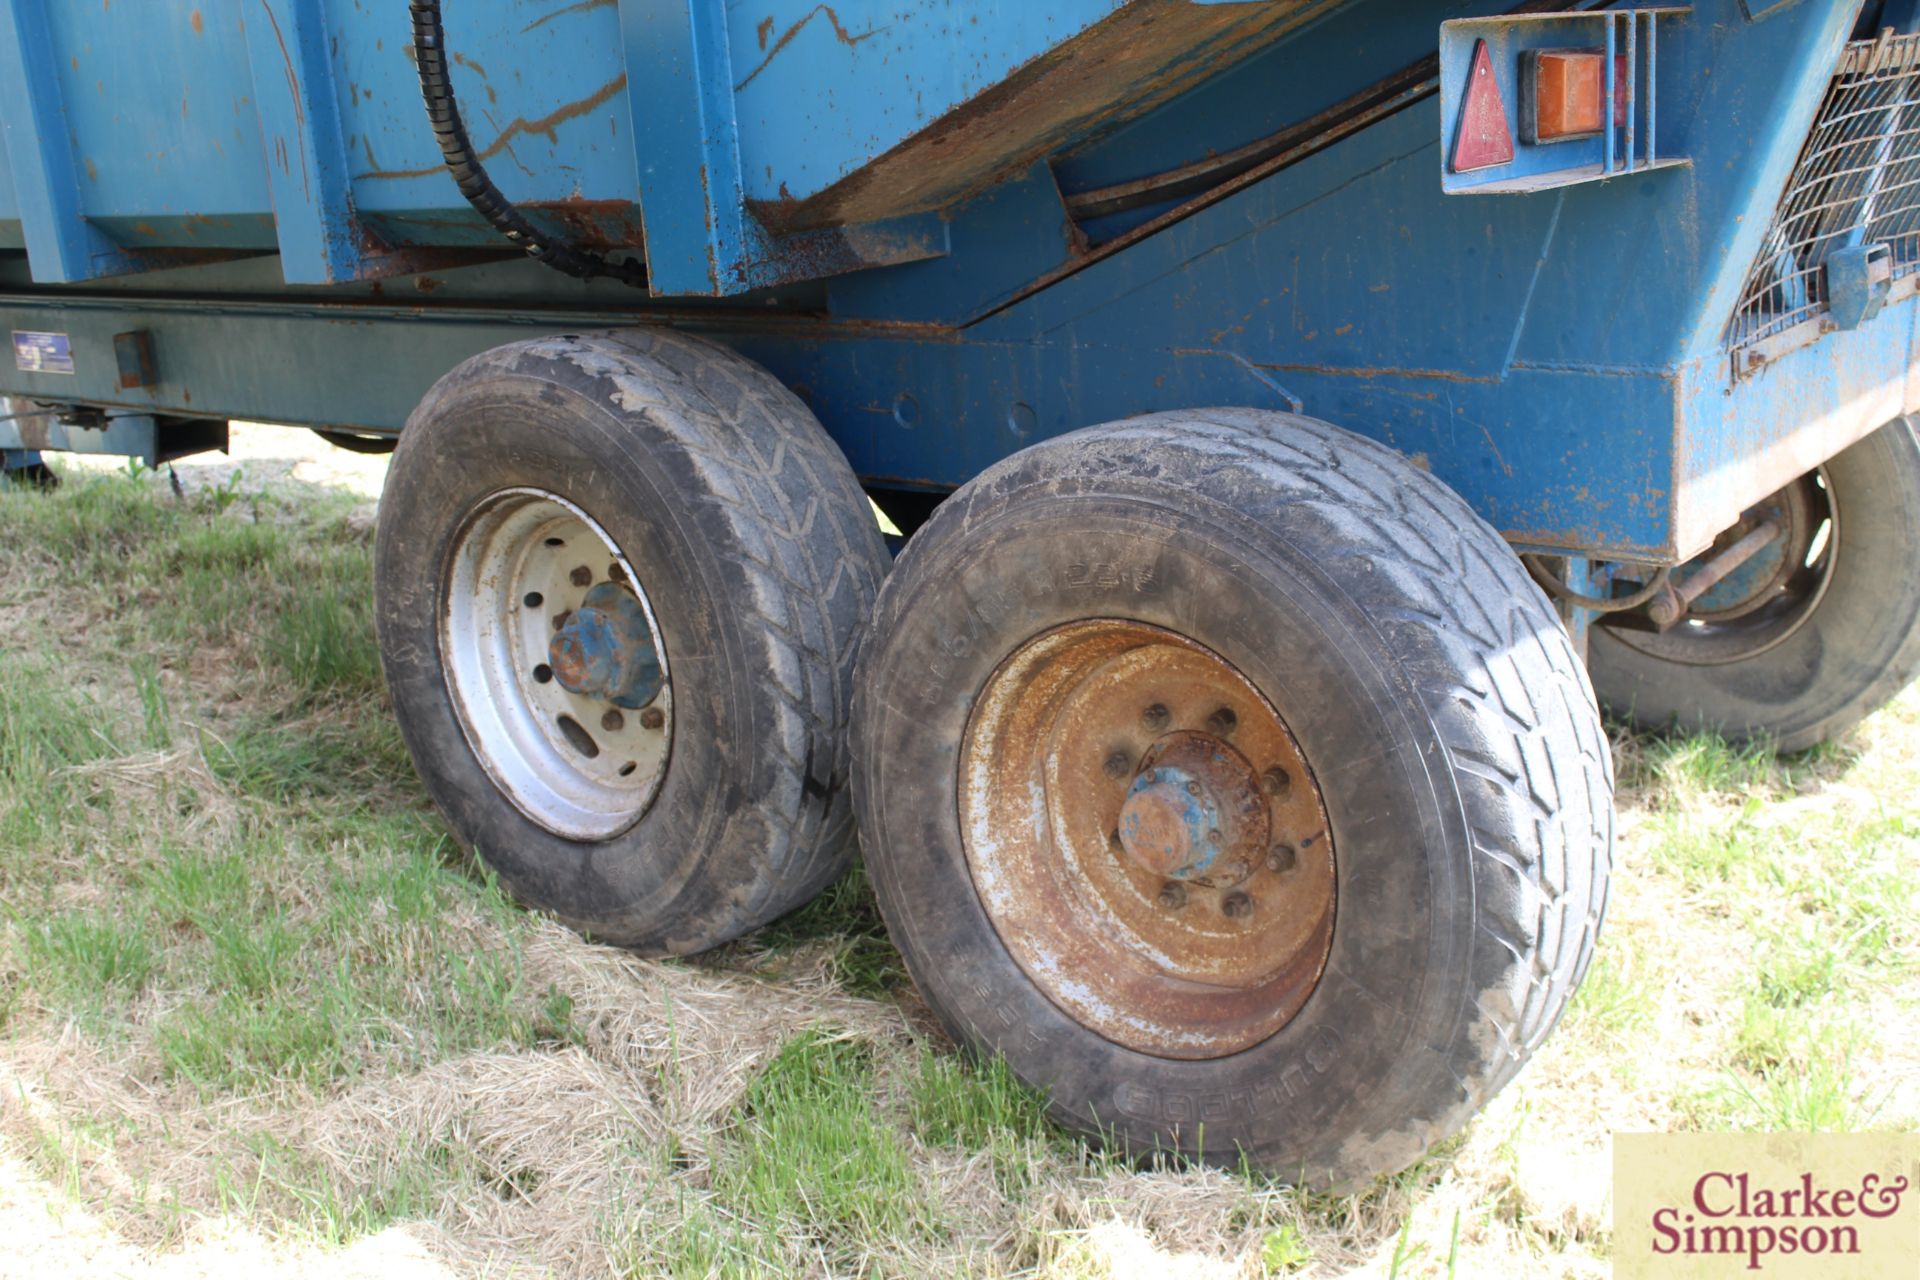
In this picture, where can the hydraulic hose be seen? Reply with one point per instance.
(1598, 604)
(436, 87)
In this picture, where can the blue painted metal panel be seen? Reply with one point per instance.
(542, 84)
(157, 142)
(41, 133)
(680, 94)
(320, 237)
(821, 88)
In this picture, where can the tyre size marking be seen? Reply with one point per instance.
(1107, 575)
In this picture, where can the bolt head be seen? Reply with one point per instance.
(652, 718)
(1118, 765)
(1281, 858)
(1173, 895)
(615, 573)
(613, 722)
(1276, 781)
(1193, 788)
(1236, 905)
(581, 577)
(1222, 722)
(1156, 717)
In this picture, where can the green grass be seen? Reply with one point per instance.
(812, 1156)
(297, 924)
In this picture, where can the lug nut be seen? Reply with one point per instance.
(1173, 895)
(560, 619)
(613, 722)
(581, 577)
(1155, 717)
(652, 718)
(1236, 905)
(615, 573)
(1281, 858)
(1118, 765)
(1222, 722)
(1275, 781)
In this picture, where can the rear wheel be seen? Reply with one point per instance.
(620, 580)
(1228, 776)
(1808, 637)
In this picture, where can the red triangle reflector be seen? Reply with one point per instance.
(1484, 138)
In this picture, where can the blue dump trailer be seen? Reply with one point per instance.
(1296, 412)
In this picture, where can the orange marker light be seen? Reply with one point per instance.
(1564, 94)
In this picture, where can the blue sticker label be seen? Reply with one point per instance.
(42, 352)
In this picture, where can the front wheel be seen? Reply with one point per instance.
(1228, 776)
(1808, 637)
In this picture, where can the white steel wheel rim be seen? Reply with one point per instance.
(515, 569)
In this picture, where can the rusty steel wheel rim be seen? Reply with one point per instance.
(1147, 839)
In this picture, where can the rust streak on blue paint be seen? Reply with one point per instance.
(546, 126)
(840, 33)
(293, 88)
(579, 7)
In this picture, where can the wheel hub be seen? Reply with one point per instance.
(605, 649)
(1193, 806)
(1147, 839)
(1766, 597)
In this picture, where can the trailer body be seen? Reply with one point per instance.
(243, 180)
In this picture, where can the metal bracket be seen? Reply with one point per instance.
(1859, 280)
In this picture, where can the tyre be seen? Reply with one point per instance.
(1229, 777)
(620, 582)
(1807, 638)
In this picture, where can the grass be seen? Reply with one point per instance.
(246, 978)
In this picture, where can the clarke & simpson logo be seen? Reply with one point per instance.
(1727, 1215)
(1779, 1205)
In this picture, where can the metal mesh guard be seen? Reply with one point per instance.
(1857, 182)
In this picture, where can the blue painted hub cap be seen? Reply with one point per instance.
(1170, 823)
(605, 649)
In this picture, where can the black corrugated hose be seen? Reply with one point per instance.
(436, 87)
